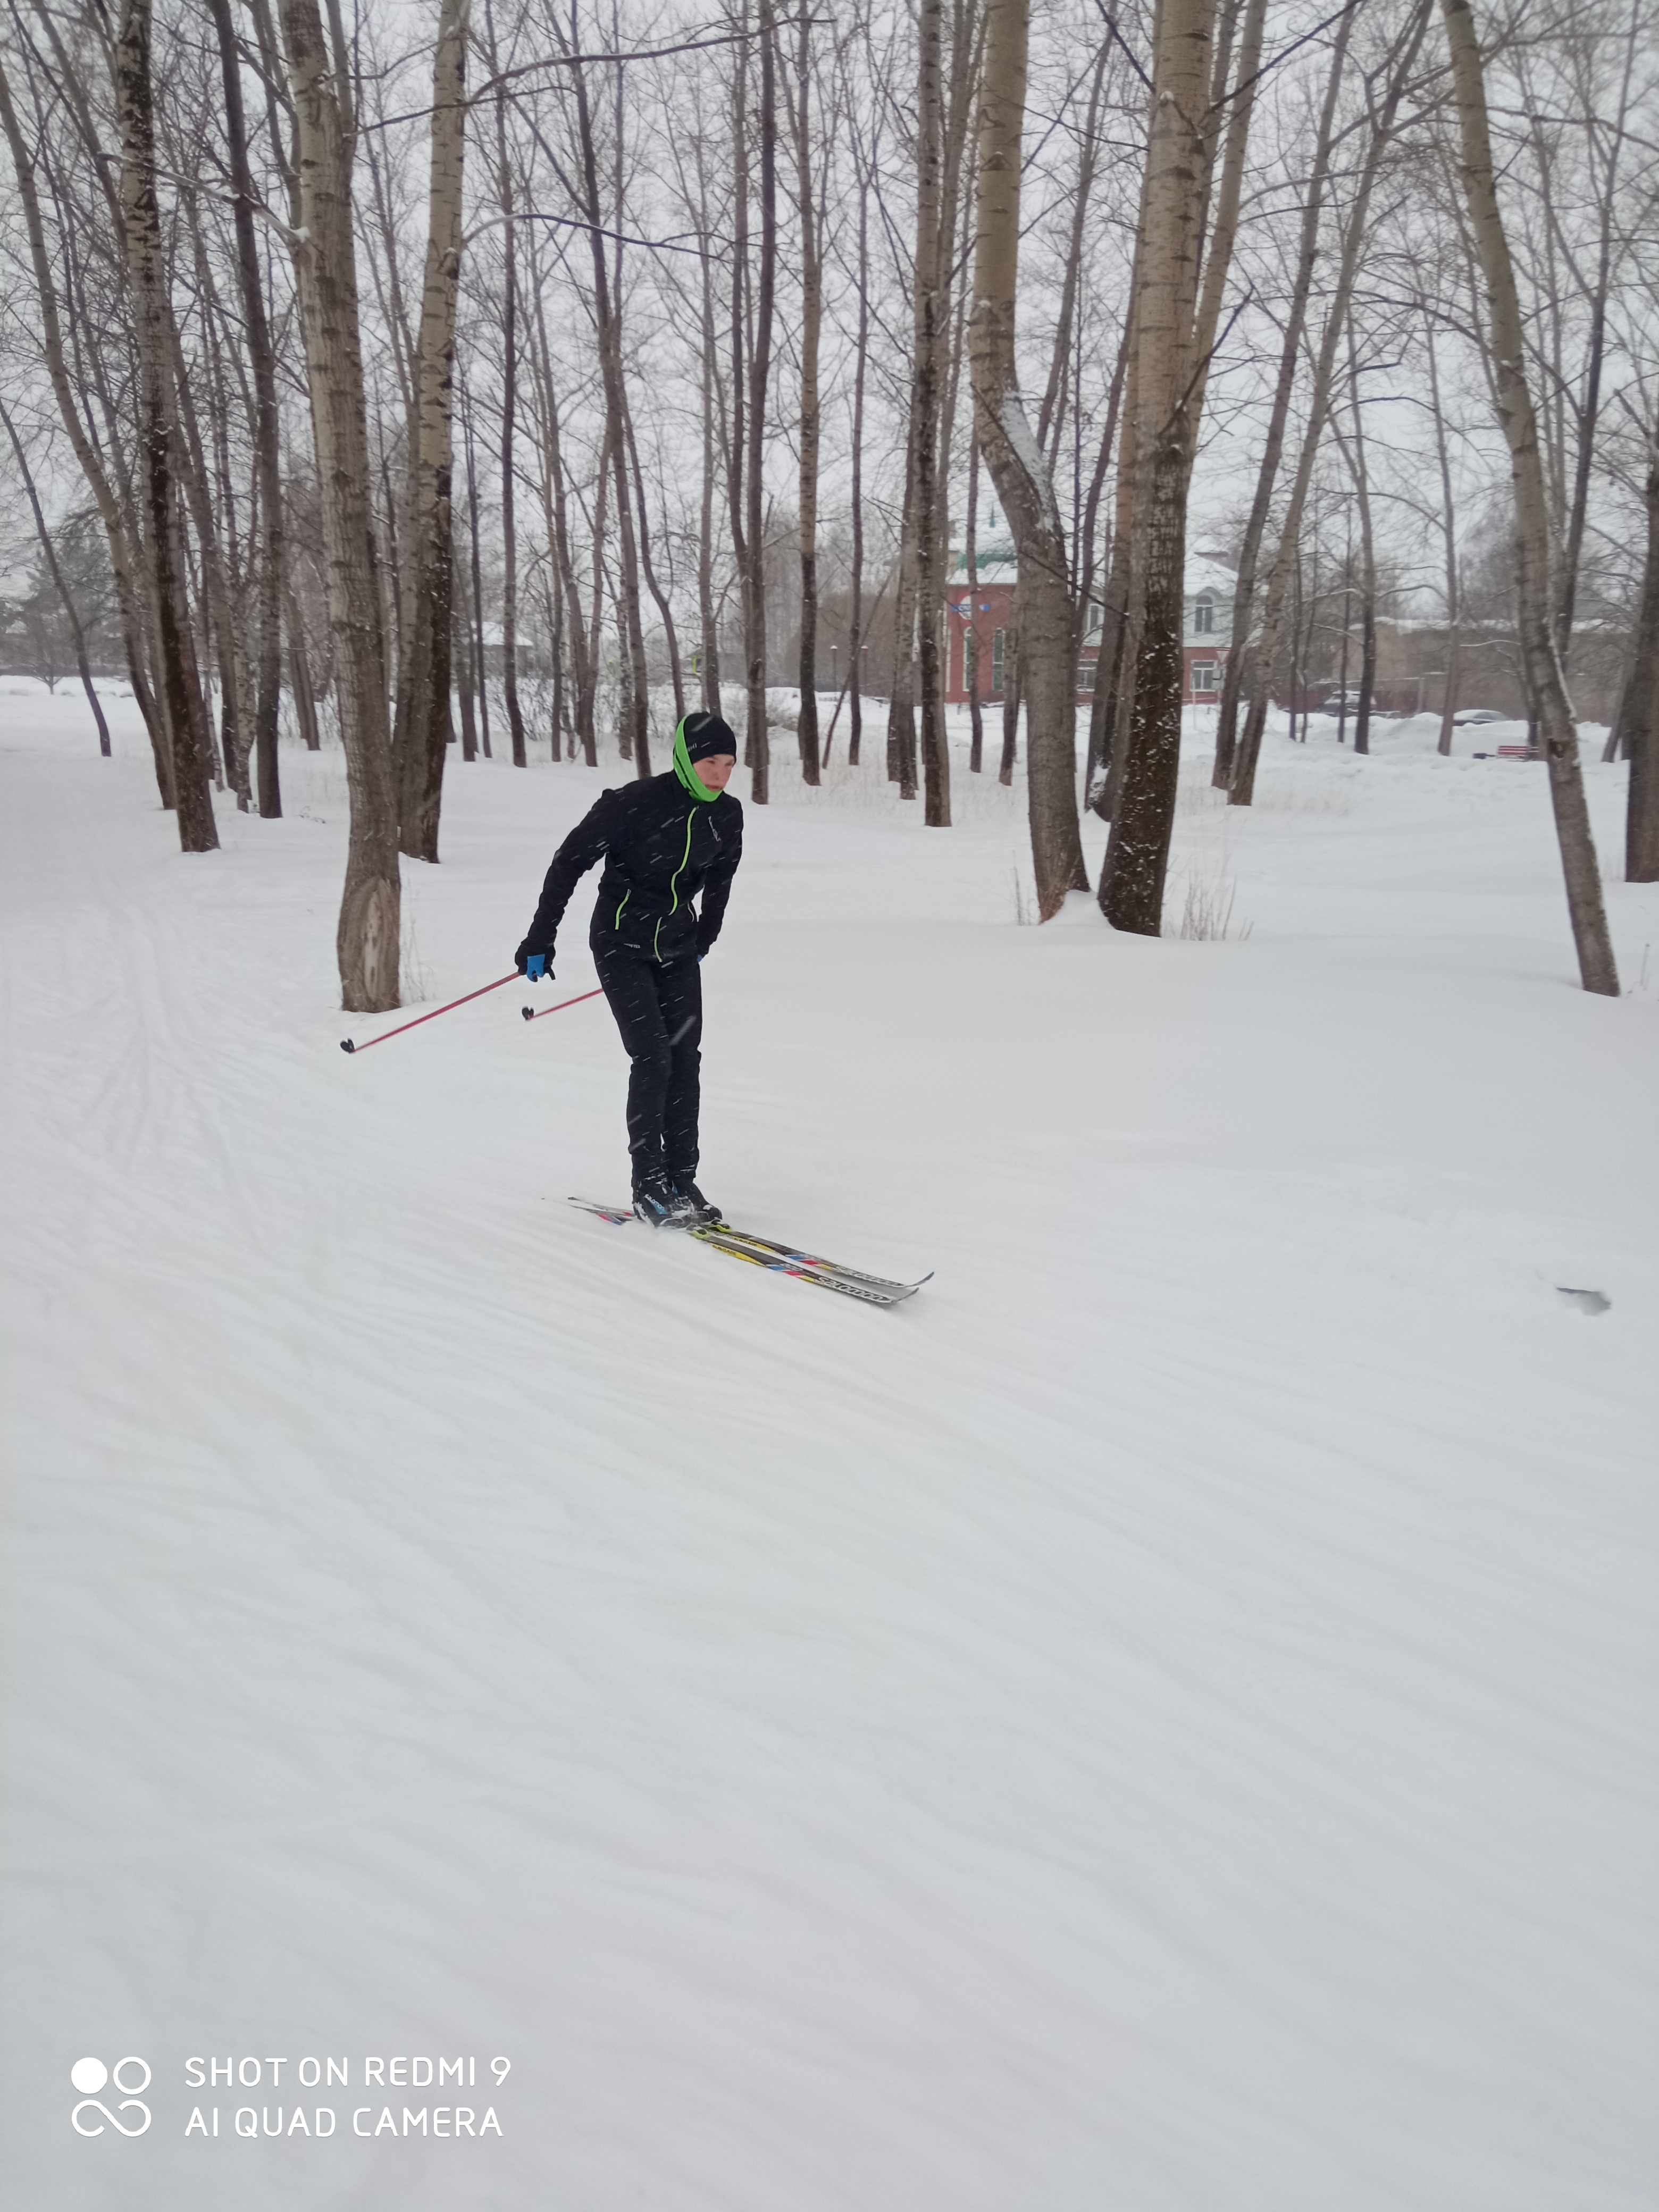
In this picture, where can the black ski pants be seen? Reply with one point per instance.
(659, 1009)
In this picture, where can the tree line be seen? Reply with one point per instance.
(458, 381)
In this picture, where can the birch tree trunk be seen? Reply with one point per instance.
(971, 633)
(811, 310)
(1106, 650)
(737, 443)
(707, 621)
(902, 692)
(425, 679)
(1110, 711)
(760, 375)
(268, 556)
(1448, 542)
(1362, 487)
(1505, 341)
(928, 296)
(1638, 714)
(860, 372)
(509, 424)
(1137, 859)
(158, 430)
(477, 663)
(1017, 469)
(325, 273)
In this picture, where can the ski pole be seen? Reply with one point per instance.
(346, 1045)
(535, 1013)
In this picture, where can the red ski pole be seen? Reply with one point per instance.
(346, 1045)
(535, 1013)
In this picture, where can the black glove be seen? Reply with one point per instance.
(527, 954)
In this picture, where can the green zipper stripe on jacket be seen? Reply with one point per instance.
(626, 895)
(674, 883)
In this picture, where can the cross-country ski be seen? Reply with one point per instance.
(781, 1259)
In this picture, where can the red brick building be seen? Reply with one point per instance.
(988, 614)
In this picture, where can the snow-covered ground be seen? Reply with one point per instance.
(1161, 1723)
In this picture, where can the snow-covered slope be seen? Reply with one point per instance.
(1163, 1720)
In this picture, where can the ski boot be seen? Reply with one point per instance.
(703, 1215)
(656, 1200)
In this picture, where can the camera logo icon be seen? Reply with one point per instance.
(90, 2077)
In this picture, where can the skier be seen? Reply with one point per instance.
(663, 841)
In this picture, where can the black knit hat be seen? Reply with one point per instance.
(706, 735)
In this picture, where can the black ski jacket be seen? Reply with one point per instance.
(661, 848)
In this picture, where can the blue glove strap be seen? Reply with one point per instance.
(536, 967)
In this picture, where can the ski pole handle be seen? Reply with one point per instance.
(346, 1044)
(535, 1013)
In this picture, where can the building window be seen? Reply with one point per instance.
(997, 637)
(1203, 616)
(1203, 677)
(1096, 620)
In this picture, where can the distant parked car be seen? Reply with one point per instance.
(1472, 717)
(1334, 702)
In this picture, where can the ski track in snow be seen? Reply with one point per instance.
(1162, 1720)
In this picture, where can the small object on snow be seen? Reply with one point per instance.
(780, 1259)
(1589, 1302)
(535, 1013)
(346, 1044)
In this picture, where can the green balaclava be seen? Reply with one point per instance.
(699, 736)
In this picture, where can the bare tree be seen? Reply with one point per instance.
(158, 432)
(325, 270)
(266, 429)
(1017, 469)
(971, 633)
(1137, 859)
(1449, 542)
(425, 680)
(1504, 336)
(1639, 712)
(760, 373)
(506, 188)
(929, 303)
(811, 310)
